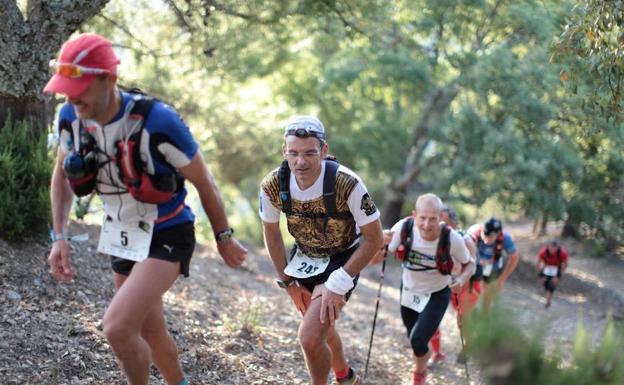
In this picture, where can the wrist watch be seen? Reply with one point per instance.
(285, 283)
(224, 235)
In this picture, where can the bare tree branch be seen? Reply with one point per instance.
(180, 16)
(51, 20)
(482, 30)
(348, 24)
(148, 50)
(437, 104)
(439, 35)
(411, 173)
(230, 12)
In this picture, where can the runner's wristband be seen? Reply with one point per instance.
(340, 282)
(57, 237)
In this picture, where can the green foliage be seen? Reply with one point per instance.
(242, 213)
(25, 171)
(589, 52)
(512, 355)
(511, 131)
(590, 48)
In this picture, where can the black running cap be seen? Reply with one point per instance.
(492, 225)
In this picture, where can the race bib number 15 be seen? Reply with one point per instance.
(413, 300)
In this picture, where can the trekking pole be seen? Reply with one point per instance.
(381, 278)
(461, 337)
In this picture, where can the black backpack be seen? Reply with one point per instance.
(444, 262)
(559, 262)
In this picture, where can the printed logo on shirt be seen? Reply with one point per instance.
(368, 205)
(417, 258)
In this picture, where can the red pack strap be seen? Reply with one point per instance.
(405, 247)
(172, 214)
(127, 163)
(498, 246)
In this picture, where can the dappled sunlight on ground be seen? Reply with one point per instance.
(235, 326)
(585, 276)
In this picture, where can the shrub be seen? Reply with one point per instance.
(25, 170)
(510, 355)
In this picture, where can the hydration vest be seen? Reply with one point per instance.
(80, 165)
(444, 262)
(132, 169)
(329, 192)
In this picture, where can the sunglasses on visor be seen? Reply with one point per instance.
(70, 70)
(302, 132)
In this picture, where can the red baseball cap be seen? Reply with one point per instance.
(81, 59)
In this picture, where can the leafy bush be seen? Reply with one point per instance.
(25, 170)
(511, 356)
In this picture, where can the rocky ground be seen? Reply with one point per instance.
(236, 327)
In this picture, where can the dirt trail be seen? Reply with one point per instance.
(238, 327)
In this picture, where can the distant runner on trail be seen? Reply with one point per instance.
(135, 152)
(337, 231)
(552, 262)
(497, 256)
(429, 250)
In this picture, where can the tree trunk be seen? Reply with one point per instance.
(570, 230)
(543, 224)
(438, 102)
(28, 42)
(535, 226)
(392, 207)
(18, 109)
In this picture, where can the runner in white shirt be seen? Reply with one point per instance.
(425, 291)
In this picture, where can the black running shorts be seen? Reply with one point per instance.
(174, 244)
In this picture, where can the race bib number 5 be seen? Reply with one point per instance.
(413, 300)
(302, 266)
(126, 240)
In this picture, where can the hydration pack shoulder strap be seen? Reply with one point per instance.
(444, 262)
(142, 186)
(283, 175)
(329, 190)
(407, 231)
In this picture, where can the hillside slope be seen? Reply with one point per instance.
(237, 327)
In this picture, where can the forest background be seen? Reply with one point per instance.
(508, 108)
